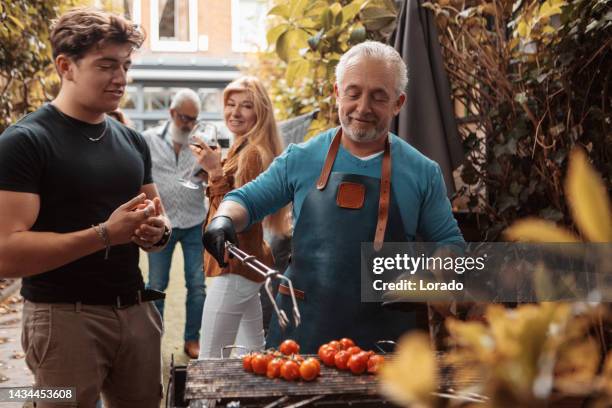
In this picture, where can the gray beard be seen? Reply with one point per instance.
(177, 135)
(358, 136)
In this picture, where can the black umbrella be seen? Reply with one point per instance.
(427, 120)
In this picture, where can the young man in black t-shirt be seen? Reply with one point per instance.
(76, 201)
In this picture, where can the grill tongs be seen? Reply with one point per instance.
(269, 274)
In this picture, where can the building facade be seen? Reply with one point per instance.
(197, 44)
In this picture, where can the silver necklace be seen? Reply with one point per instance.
(91, 139)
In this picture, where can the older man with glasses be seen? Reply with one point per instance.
(173, 160)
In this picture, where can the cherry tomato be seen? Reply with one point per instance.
(375, 362)
(290, 370)
(335, 345)
(327, 354)
(346, 343)
(246, 362)
(322, 350)
(273, 370)
(289, 347)
(353, 350)
(260, 363)
(341, 359)
(310, 369)
(358, 363)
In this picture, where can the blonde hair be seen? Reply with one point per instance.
(263, 139)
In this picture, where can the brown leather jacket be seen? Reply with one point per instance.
(250, 240)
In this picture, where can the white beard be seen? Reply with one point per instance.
(177, 135)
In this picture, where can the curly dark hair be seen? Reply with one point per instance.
(79, 30)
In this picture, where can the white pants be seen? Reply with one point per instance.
(232, 315)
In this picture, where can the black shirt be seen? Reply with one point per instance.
(80, 183)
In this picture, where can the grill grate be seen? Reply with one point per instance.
(225, 378)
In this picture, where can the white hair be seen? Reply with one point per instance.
(379, 51)
(183, 95)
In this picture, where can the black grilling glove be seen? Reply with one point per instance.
(219, 230)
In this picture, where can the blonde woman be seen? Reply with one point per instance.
(232, 310)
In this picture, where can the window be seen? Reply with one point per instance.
(174, 25)
(156, 98)
(211, 99)
(248, 25)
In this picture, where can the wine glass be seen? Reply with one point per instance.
(202, 133)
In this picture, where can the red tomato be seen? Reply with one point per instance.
(341, 359)
(327, 354)
(273, 370)
(246, 362)
(335, 345)
(310, 369)
(353, 350)
(358, 363)
(346, 343)
(290, 370)
(374, 363)
(260, 363)
(289, 347)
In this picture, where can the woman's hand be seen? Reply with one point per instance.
(209, 158)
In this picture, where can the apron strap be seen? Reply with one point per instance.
(385, 185)
(329, 160)
(385, 197)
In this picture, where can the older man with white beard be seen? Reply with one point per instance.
(356, 183)
(172, 159)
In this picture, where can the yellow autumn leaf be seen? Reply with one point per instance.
(550, 9)
(469, 334)
(537, 230)
(523, 29)
(548, 30)
(577, 365)
(411, 376)
(588, 199)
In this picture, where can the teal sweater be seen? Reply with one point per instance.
(416, 181)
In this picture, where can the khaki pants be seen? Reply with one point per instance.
(96, 349)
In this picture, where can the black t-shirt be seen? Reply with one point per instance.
(80, 183)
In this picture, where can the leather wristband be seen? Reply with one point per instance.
(164, 239)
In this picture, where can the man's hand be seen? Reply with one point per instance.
(152, 229)
(219, 230)
(127, 218)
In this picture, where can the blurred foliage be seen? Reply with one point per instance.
(523, 357)
(307, 38)
(533, 81)
(27, 74)
(588, 202)
(531, 355)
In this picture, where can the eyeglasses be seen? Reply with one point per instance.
(186, 118)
